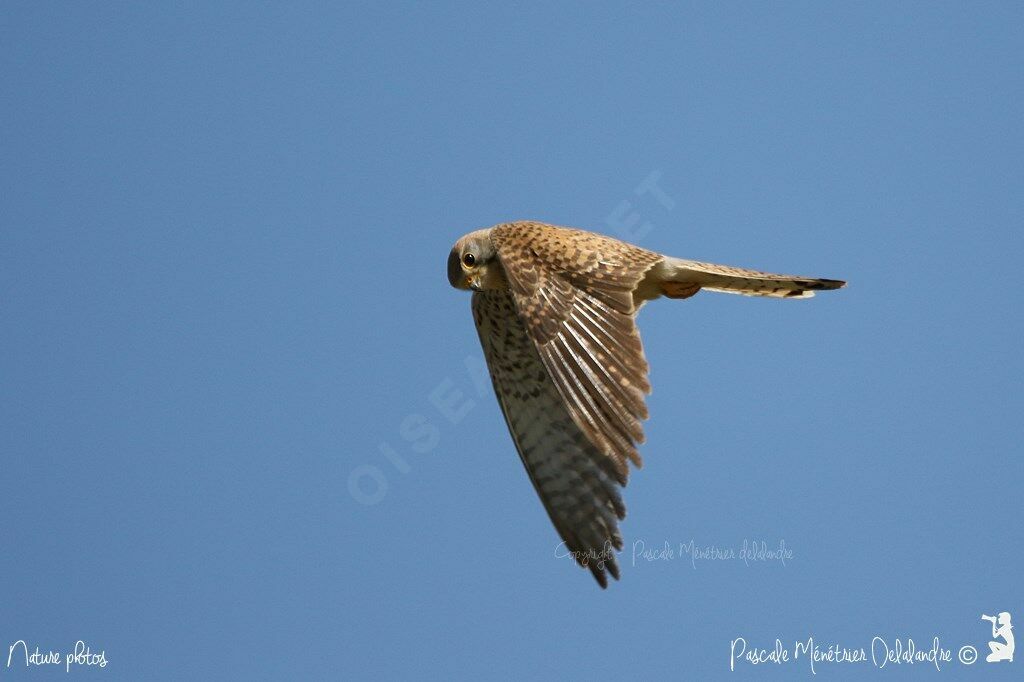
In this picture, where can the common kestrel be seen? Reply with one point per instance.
(555, 309)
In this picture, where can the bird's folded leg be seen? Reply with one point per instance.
(679, 289)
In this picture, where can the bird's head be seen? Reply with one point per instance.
(473, 263)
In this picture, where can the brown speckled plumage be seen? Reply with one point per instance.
(555, 309)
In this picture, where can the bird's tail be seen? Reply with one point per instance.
(680, 278)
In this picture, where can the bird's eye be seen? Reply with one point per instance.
(469, 260)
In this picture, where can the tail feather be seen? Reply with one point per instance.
(678, 276)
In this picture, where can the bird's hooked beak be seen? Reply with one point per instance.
(458, 277)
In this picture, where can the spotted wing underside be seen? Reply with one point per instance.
(574, 292)
(582, 499)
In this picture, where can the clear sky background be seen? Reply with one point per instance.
(223, 299)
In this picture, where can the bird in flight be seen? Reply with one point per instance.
(555, 309)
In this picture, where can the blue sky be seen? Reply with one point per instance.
(222, 266)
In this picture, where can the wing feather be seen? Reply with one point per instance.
(568, 472)
(574, 291)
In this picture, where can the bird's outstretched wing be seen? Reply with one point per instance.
(574, 293)
(565, 466)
